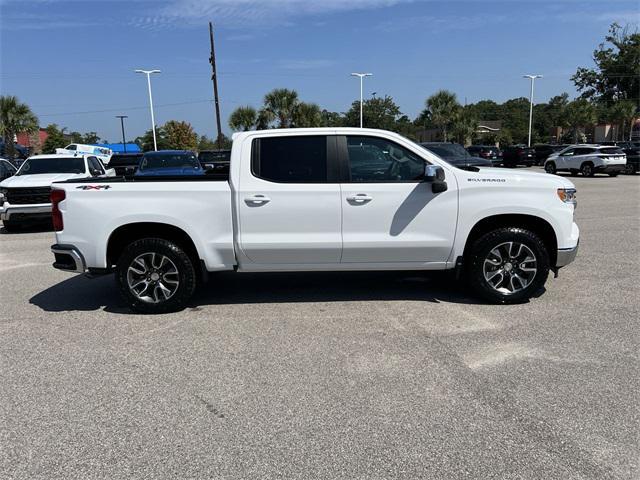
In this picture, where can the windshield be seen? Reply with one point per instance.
(448, 151)
(169, 160)
(34, 166)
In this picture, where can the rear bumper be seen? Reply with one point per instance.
(616, 168)
(68, 258)
(566, 255)
(40, 210)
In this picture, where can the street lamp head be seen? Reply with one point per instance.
(147, 71)
(355, 74)
(532, 76)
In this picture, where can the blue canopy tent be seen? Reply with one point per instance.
(119, 147)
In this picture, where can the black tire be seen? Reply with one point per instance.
(629, 169)
(186, 276)
(480, 253)
(550, 167)
(11, 227)
(586, 169)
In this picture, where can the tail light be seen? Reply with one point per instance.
(56, 215)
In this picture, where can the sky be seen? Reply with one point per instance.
(73, 62)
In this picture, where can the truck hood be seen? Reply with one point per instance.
(516, 175)
(39, 179)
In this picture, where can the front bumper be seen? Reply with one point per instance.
(68, 258)
(22, 211)
(566, 255)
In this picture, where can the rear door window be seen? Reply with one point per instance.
(290, 159)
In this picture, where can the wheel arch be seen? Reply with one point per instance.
(533, 223)
(130, 232)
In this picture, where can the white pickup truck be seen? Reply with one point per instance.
(312, 200)
(24, 197)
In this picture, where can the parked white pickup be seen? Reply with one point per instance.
(25, 196)
(318, 199)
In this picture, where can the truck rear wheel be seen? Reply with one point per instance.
(155, 276)
(507, 265)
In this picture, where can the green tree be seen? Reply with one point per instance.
(281, 104)
(145, 142)
(205, 143)
(380, 112)
(579, 114)
(15, 117)
(443, 107)
(464, 126)
(331, 119)
(515, 116)
(307, 115)
(265, 117)
(55, 139)
(225, 142)
(616, 75)
(622, 114)
(180, 135)
(243, 118)
(90, 138)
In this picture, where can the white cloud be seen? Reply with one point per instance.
(244, 13)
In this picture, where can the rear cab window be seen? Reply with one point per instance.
(291, 159)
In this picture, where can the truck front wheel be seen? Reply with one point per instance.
(155, 276)
(507, 265)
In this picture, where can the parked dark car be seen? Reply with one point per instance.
(215, 161)
(125, 163)
(490, 152)
(518, 155)
(169, 163)
(456, 155)
(543, 151)
(632, 150)
(7, 169)
(22, 152)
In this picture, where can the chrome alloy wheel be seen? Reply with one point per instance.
(152, 277)
(510, 267)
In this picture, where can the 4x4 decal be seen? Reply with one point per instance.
(94, 187)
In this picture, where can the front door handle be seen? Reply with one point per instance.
(359, 198)
(257, 199)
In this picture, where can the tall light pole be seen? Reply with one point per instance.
(533, 80)
(124, 142)
(361, 75)
(153, 121)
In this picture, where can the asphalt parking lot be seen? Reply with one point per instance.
(359, 376)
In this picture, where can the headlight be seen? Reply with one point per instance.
(568, 195)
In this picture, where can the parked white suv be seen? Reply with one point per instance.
(588, 160)
(104, 154)
(25, 196)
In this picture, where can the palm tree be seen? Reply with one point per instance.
(579, 113)
(443, 107)
(243, 118)
(281, 103)
(622, 114)
(265, 117)
(15, 117)
(464, 127)
(307, 115)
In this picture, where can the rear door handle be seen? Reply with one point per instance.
(359, 198)
(257, 199)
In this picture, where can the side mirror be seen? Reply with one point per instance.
(434, 175)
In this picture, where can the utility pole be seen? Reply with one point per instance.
(214, 77)
(361, 75)
(124, 142)
(153, 120)
(533, 79)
